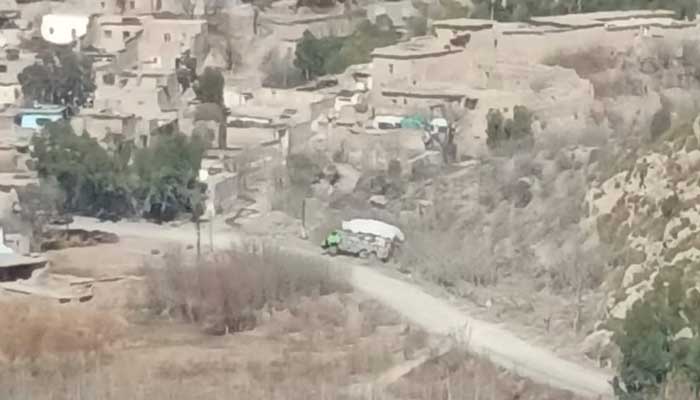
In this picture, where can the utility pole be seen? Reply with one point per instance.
(198, 225)
(211, 228)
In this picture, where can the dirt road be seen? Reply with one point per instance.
(433, 314)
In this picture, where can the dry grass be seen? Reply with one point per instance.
(30, 330)
(318, 360)
(227, 291)
(458, 375)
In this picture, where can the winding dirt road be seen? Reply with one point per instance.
(433, 314)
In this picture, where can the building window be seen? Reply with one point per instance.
(132, 4)
(103, 4)
(51, 31)
(3, 68)
(166, 37)
(73, 34)
(108, 34)
(126, 34)
(159, 5)
(391, 68)
(12, 54)
(108, 79)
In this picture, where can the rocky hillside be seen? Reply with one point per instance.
(649, 215)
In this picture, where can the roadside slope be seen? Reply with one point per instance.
(433, 314)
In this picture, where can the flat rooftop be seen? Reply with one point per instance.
(464, 24)
(419, 47)
(599, 18)
(522, 28)
(279, 17)
(657, 22)
(16, 260)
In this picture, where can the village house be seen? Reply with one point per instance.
(109, 33)
(286, 116)
(106, 126)
(11, 31)
(64, 29)
(12, 62)
(9, 10)
(426, 58)
(145, 7)
(162, 43)
(38, 115)
(543, 37)
(152, 97)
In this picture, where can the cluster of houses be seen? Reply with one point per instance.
(444, 81)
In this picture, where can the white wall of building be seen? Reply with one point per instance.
(63, 28)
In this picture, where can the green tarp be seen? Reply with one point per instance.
(413, 122)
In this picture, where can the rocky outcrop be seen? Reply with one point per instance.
(648, 213)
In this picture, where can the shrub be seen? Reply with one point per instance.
(226, 291)
(660, 122)
(513, 132)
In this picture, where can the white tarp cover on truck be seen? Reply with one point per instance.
(374, 227)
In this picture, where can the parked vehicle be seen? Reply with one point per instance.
(364, 238)
(363, 245)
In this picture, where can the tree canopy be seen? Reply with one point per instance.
(656, 359)
(158, 183)
(511, 132)
(210, 86)
(331, 55)
(62, 77)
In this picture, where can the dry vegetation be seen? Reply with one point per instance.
(30, 329)
(301, 335)
(458, 375)
(228, 291)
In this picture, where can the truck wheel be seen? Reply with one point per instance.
(363, 254)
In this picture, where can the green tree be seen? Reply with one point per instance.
(168, 175)
(160, 182)
(653, 356)
(495, 128)
(513, 132)
(311, 54)
(62, 77)
(417, 25)
(210, 86)
(92, 179)
(331, 55)
(521, 13)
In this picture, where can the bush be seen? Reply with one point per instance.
(660, 122)
(512, 133)
(99, 182)
(226, 292)
(331, 55)
(654, 360)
